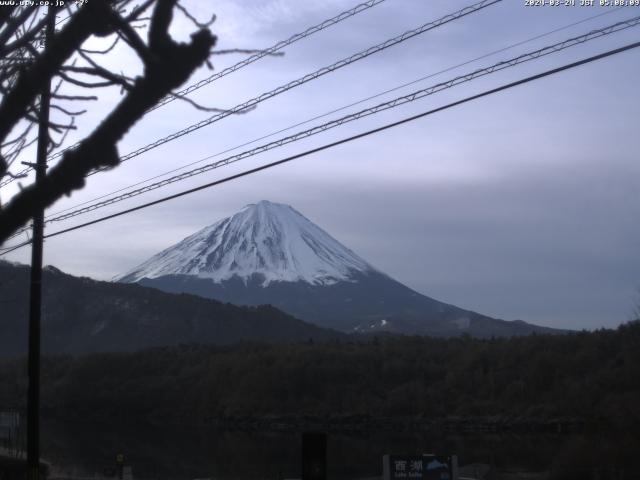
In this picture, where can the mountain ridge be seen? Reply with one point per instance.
(271, 253)
(81, 315)
(267, 238)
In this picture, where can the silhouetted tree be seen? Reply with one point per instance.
(528, 381)
(68, 62)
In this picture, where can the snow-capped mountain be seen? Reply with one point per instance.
(267, 239)
(269, 253)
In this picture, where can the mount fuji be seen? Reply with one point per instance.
(269, 253)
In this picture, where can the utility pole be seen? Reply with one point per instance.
(33, 400)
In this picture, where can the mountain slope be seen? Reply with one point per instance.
(81, 315)
(370, 303)
(270, 253)
(268, 239)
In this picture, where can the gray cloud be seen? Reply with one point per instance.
(522, 205)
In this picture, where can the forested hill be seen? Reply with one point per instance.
(81, 315)
(593, 377)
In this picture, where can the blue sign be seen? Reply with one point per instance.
(420, 467)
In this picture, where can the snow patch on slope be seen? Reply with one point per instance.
(268, 239)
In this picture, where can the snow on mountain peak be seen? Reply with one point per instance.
(270, 239)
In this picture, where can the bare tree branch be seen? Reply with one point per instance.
(13, 24)
(74, 97)
(198, 24)
(25, 39)
(101, 52)
(167, 65)
(247, 51)
(89, 19)
(68, 112)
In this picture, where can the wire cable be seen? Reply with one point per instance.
(252, 103)
(270, 51)
(396, 102)
(345, 140)
(247, 61)
(326, 114)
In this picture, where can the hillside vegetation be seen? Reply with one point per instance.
(81, 316)
(594, 377)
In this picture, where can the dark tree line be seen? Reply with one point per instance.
(592, 376)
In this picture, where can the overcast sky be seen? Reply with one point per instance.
(521, 205)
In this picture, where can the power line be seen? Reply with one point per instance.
(9, 250)
(35, 281)
(317, 117)
(419, 94)
(252, 103)
(346, 140)
(270, 51)
(249, 104)
(247, 61)
(391, 104)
